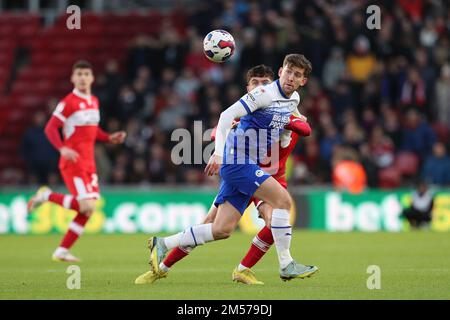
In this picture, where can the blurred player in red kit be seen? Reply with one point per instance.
(78, 115)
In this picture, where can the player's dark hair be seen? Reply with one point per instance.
(300, 61)
(260, 71)
(82, 64)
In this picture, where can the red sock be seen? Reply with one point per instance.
(76, 228)
(260, 244)
(174, 256)
(65, 200)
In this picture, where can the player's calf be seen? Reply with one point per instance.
(265, 212)
(225, 222)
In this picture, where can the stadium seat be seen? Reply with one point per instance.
(407, 163)
(389, 178)
(442, 131)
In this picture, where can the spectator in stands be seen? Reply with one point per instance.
(354, 136)
(413, 91)
(417, 135)
(143, 52)
(381, 148)
(348, 174)
(341, 100)
(334, 69)
(391, 126)
(108, 87)
(419, 214)
(361, 63)
(330, 139)
(39, 155)
(442, 96)
(173, 49)
(437, 166)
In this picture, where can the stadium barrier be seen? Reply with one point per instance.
(172, 210)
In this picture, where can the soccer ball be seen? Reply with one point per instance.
(218, 46)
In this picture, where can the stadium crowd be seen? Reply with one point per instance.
(373, 94)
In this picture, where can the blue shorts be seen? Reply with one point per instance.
(239, 183)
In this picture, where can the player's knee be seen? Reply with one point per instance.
(283, 201)
(87, 207)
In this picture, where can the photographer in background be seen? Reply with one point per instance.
(419, 213)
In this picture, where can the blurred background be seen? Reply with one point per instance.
(378, 101)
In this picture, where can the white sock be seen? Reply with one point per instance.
(60, 250)
(191, 237)
(45, 195)
(163, 267)
(281, 232)
(241, 267)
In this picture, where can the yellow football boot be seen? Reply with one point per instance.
(246, 276)
(149, 277)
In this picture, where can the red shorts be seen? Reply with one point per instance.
(81, 183)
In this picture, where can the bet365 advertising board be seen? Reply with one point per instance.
(172, 210)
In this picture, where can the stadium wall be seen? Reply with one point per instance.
(172, 210)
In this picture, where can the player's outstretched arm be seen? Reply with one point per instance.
(102, 136)
(117, 137)
(114, 138)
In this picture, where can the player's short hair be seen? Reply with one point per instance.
(260, 71)
(300, 61)
(82, 64)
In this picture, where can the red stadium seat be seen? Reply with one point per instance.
(442, 131)
(389, 178)
(407, 163)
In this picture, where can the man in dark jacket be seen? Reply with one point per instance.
(419, 213)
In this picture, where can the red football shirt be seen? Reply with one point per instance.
(278, 170)
(80, 115)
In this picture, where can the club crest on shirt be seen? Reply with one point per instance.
(259, 173)
(82, 105)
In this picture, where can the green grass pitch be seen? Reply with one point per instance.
(414, 265)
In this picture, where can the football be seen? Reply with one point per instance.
(218, 46)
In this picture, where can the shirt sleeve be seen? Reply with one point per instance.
(102, 136)
(225, 123)
(62, 111)
(52, 132)
(250, 102)
(255, 99)
(300, 127)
